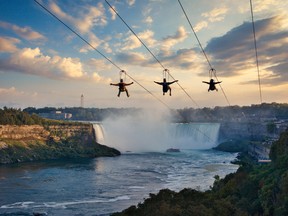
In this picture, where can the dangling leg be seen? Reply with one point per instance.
(127, 93)
(169, 91)
(119, 93)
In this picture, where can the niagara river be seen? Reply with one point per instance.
(104, 185)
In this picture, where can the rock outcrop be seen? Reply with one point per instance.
(36, 142)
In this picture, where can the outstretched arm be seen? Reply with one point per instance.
(172, 82)
(159, 83)
(114, 84)
(126, 84)
(205, 82)
(217, 82)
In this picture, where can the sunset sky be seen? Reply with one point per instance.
(42, 63)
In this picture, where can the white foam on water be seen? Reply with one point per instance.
(63, 205)
(18, 205)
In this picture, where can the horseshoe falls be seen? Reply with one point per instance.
(143, 137)
(195, 135)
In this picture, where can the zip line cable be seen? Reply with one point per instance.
(195, 35)
(134, 33)
(83, 39)
(166, 70)
(256, 52)
(203, 51)
(94, 48)
(150, 51)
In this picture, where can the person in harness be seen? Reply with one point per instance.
(122, 87)
(165, 86)
(212, 84)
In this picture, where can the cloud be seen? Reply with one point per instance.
(130, 2)
(24, 32)
(10, 91)
(13, 97)
(279, 75)
(94, 17)
(99, 64)
(234, 54)
(148, 20)
(58, 11)
(132, 58)
(94, 41)
(32, 61)
(201, 25)
(131, 43)
(87, 18)
(113, 14)
(172, 40)
(8, 44)
(264, 5)
(215, 15)
(147, 37)
(184, 59)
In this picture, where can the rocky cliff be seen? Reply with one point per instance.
(243, 130)
(36, 142)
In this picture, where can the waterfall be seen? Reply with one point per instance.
(195, 135)
(99, 133)
(142, 136)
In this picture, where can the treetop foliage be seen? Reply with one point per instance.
(12, 116)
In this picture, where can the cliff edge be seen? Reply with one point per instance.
(20, 143)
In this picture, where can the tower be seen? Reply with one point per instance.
(82, 101)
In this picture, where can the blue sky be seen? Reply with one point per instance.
(42, 63)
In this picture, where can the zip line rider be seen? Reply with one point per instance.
(122, 87)
(165, 86)
(212, 84)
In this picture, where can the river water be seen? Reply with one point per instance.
(104, 185)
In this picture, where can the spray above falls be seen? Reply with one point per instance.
(151, 131)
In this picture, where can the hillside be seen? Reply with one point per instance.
(255, 189)
(25, 137)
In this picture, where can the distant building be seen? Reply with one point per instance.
(58, 115)
(82, 101)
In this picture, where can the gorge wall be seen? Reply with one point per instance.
(243, 130)
(36, 142)
(56, 132)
